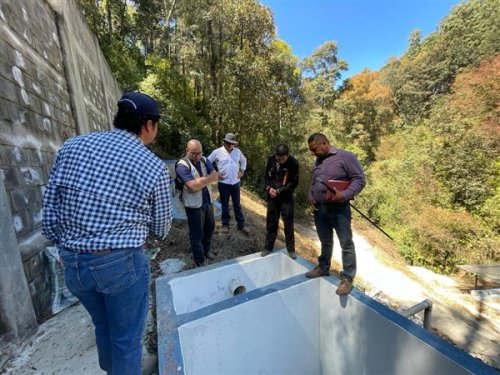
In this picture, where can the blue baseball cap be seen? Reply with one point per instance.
(139, 103)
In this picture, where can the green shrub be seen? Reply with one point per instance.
(440, 239)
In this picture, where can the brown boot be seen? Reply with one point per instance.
(345, 287)
(318, 272)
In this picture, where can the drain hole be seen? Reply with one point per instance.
(239, 290)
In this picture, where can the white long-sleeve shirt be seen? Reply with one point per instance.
(228, 164)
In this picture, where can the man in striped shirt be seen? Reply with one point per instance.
(106, 193)
(332, 211)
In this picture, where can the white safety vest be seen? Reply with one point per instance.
(194, 199)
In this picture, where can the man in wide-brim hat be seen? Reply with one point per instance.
(231, 164)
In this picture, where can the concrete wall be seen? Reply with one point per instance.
(18, 318)
(249, 272)
(274, 334)
(54, 83)
(356, 339)
(308, 329)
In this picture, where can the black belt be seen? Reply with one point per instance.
(101, 252)
(97, 252)
(330, 204)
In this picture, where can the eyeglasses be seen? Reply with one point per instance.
(196, 153)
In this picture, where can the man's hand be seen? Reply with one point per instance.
(273, 193)
(240, 174)
(338, 197)
(212, 177)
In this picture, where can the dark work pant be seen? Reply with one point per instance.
(227, 191)
(201, 225)
(275, 208)
(336, 216)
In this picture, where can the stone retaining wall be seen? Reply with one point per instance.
(54, 84)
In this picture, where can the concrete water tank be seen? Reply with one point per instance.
(283, 323)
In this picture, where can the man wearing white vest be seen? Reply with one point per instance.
(196, 174)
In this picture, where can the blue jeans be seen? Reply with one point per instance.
(114, 288)
(233, 191)
(201, 224)
(336, 216)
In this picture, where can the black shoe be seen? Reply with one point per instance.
(292, 254)
(199, 264)
(244, 230)
(265, 253)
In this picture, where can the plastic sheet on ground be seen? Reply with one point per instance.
(172, 265)
(60, 296)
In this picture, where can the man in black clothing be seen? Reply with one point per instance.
(281, 178)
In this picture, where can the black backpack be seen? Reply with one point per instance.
(179, 184)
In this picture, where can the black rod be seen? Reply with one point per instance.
(358, 211)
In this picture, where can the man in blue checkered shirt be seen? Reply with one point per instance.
(106, 193)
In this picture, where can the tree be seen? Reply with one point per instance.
(465, 37)
(322, 71)
(366, 111)
(113, 22)
(465, 124)
(414, 43)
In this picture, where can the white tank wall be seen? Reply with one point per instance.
(306, 329)
(355, 339)
(193, 292)
(274, 334)
(288, 324)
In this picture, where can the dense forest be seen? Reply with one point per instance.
(425, 126)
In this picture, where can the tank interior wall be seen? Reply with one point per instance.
(275, 334)
(357, 339)
(251, 272)
(308, 329)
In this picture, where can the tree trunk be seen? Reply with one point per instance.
(110, 21)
